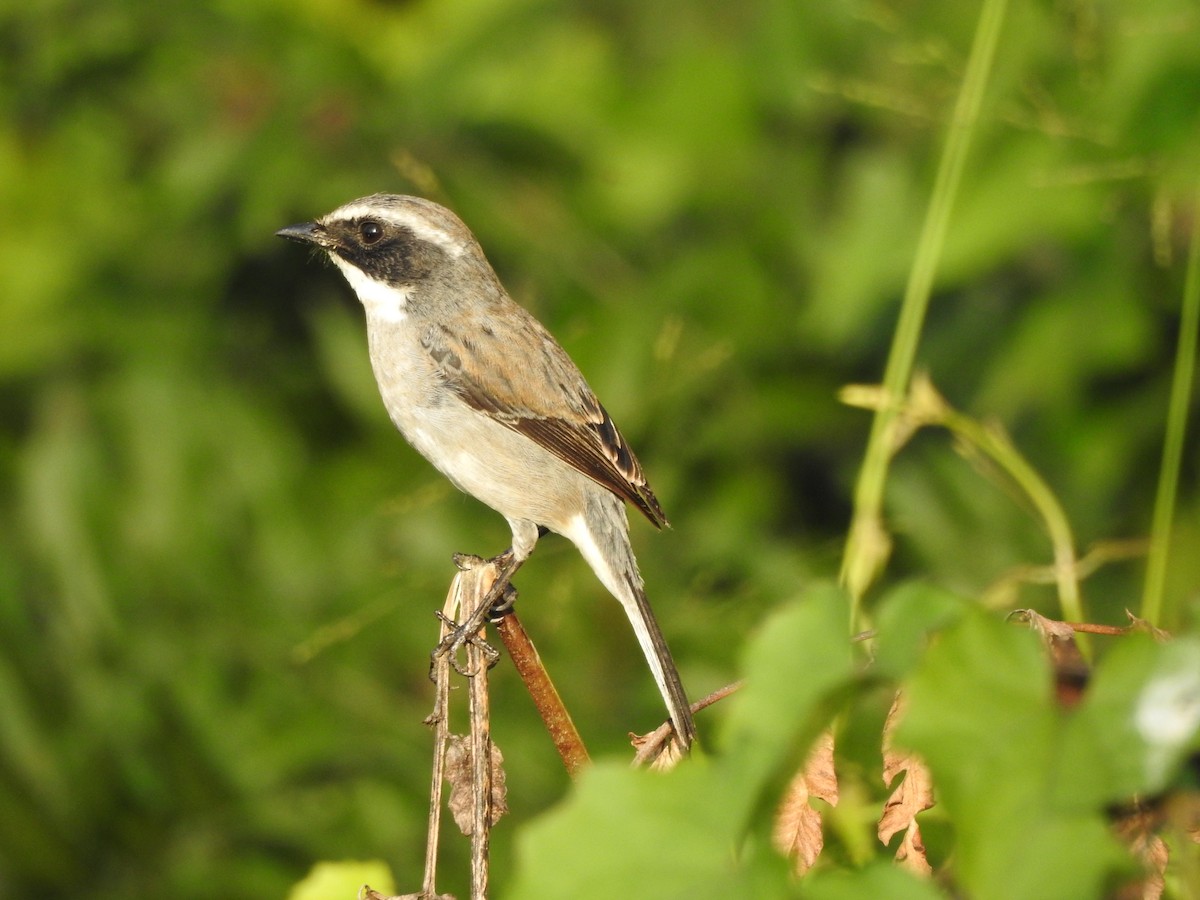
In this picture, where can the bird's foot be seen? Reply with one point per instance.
(497, 603)
(458, 638)
(504, 606)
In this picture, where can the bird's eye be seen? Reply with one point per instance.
(370, 231)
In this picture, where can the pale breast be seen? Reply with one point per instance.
(482, 457)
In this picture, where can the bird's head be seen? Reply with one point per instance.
(389, 246)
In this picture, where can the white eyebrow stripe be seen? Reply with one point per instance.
(419, 226)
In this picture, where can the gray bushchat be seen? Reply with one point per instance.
(483, 392)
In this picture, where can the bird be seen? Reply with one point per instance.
(482, 390)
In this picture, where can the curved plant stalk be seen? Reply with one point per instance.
(996, 444)
(923, 407)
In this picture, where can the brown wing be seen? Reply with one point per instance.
(598, 450)
(534, 388)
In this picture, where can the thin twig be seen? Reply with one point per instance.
(1095, 628)
(545, 696)
(653, 744)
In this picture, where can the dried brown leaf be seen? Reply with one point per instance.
(658, 747)
(912, 796)
(1051, 629)
(669, 757)
(1139, 832)
(911, 852)
(797, 833)
(458, 774)
(1139, 624)
(1070, 668)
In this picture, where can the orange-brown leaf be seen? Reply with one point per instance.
(912, 796)
(797, 833)
(459, 773)
(1139, 624)
(1139, 831)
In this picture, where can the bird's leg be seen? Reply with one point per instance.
(499, 598)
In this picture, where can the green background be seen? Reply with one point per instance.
(218, 562)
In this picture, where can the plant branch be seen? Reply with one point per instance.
(545, 696)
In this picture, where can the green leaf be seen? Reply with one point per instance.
(982, 715)
(880, 880)
(907, 617)
(342, 880)
(627, 832)
(1139, 718)
(799, 657)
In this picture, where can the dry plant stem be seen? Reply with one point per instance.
(866, 545)
(1089, 628)
(467, 590)
(545, 696)
(440, 720)
(475, 586)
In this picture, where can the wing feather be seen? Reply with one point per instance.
(544, 398)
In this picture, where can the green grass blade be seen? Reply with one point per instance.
(865, 547)
(1181, 390)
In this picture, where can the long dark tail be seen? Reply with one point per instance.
(661, 663)
(602, 536)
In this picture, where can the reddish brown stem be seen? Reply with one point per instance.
(545, 696)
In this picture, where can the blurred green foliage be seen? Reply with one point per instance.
(218, 561)
(1021, 787)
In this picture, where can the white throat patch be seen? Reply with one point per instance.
(381, 301)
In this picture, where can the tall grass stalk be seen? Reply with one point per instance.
(866, 547)
(1177, 414)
